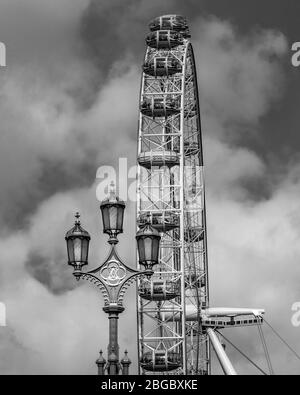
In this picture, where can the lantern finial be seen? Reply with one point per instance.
(77, 216)
(112, 189)
(148, 220)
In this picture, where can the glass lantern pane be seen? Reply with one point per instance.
(141, 250)
(105, 218)
(85, 251)
(148, 248)
(113, 216)
(155, 249)
(120, 218)
(77, 249)
(70, 250)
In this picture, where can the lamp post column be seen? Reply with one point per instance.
(113, 312)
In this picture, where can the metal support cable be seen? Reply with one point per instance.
(242, 353)
(283, 341)
(265, 347)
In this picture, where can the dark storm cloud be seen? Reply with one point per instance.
(47, 81)
(61, 57)
(52, 272)
(51, 178)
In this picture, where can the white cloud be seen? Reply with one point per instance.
(236, 72)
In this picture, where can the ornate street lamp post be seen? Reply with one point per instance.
(113, 276)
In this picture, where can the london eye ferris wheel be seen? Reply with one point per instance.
(176, 324)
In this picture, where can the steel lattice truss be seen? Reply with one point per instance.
(175, 322)
(173, 193)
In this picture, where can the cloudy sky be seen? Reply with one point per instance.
(69, 104)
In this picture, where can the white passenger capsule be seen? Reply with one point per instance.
(170, 22)
(162, 66)
(161, 361)
(164, 39)
(159, 106)
(158, 290)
